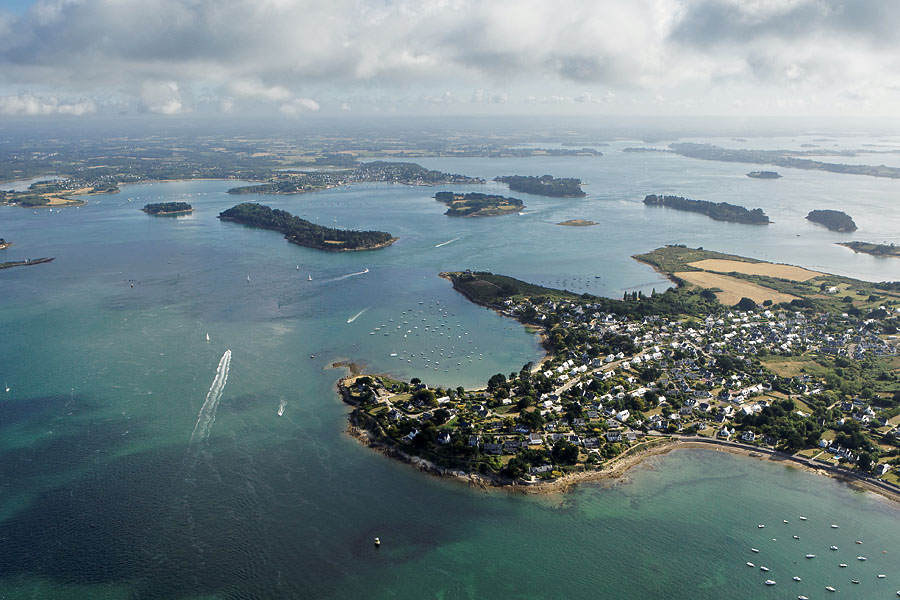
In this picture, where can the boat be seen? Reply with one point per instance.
(377, 542)
(802, 518)
(833, 526)
(754, 550)
(802, 598)
(796, 537)
(366, 270)
(207, 337)
(764, 569)
(785, 521)
(834, 547)
(7, 386)
(393, 354)
(761, 526)
(797, 578)
(770, 582)
(298, 267)
(309, 277)
(810, 556)
(843, 565)
(861, 558)
(854, 581)
(881, 576)
(750, 564)
(858, 542)
(830, 589)
(248, 279)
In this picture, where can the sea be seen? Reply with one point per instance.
(171, 427)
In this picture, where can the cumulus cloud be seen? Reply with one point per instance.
(162, 97)
(29, 105)
(279, 52)
(299, 105)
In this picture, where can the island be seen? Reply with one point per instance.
(718, 211)
(55, 193)
(873, 248)
(835, 220)
(168, 208)
(25, 263)
(764, 175)
(305, 233)
(372, 172)
(577, 223)
(476, 204)
(802, 380)
(545, 185)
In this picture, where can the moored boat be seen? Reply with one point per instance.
(750, 564)
(830, 589)
(834, 547)
(754, 549)
(764, 569)
(797, 578)
(802, 518)
(810, 556)
(861, 558)
(770, 582)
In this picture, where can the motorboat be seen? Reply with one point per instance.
(861, 558)
(761, 526)
(797, 578)
(803, 518)
(796, 537)
(843, 565)
(770, 582)
(750, 564)
(833, 526)
(810, 556)
(764, 569)
(830, 589)
(754, 550)
(834, 548)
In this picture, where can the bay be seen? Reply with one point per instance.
(124, 475)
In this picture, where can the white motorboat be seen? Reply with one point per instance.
(764, 569)
(830, 589)
(770, 582)
(843, 565)
(802, 518)
(861, 558)
(833, 526)
(834, 548)
(797, 578)
(754, 550)
(810, 556)
(761, 526)
(750, 564)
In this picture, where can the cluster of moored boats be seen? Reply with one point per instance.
(833, 548)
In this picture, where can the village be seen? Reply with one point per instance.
(614, 384)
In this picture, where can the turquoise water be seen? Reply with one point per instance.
(124, 475)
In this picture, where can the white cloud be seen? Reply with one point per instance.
(298, 106)
(162, 97)
(29, 105)
(271, 54)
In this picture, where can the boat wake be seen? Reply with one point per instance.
(445, 243)
(357, 315)
(208, 411)
(350, 275)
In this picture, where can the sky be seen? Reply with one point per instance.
(291, 59)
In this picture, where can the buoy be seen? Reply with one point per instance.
(377, 542)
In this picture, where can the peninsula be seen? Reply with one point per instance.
(545, 185)
(803, 379)
(305, 233)
(168, 208)
(476, 204)
(58, 192)
(718, 211)
(373, 172)
(764, 175)
(781, 158)
(873, 248)
(835, 220)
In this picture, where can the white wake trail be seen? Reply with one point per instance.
(445, 243)
(357, 315)
(208, 411)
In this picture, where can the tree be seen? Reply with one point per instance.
(496, 381)
(565, 453)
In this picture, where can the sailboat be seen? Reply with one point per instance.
(207, 337)
(309, 277)
(298, 267)
(248, 279)
(7, 386)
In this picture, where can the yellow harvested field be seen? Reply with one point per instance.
(733, 289)
(789, 272)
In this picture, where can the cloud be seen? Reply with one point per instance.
(273, 54)
(299, 105)
(29, 105)
(162, 97)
